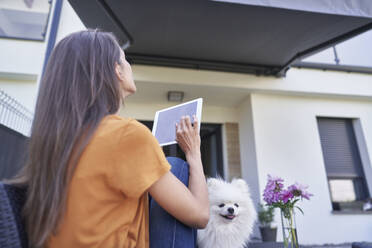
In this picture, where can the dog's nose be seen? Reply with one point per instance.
(230, 210)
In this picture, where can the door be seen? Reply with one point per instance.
(211, 148)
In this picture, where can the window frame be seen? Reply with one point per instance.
(44, 33)
(366, 192)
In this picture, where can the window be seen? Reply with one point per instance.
(347, 185)
(24, 19)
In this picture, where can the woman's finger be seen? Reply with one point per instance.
(188, 123)
(177, 131)
(182, 123)
(196, 124)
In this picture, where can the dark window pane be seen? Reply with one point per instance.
(211, 148)
(340, 152)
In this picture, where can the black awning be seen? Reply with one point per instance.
(254, 36)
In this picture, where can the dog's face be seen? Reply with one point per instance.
(227, 210)
(227, 200)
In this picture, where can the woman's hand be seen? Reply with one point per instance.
(188, 138)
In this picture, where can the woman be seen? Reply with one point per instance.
(89, 170)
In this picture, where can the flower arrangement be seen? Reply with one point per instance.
(277, 196)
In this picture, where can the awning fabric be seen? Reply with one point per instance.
(255, 36)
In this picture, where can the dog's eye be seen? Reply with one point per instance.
(236, 205)
(221, 205)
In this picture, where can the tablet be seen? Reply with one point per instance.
(164, 128)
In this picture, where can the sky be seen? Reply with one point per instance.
(356, 51)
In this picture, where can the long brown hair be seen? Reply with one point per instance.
(78, 89)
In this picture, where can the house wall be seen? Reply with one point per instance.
(236, 86)
(210, 114)
(248, 153)
(20, 64)
(288, 145)
(21, 61)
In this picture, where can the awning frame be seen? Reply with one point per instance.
(278, 71)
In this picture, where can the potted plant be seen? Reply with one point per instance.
(266, 217)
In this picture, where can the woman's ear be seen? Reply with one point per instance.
(119, 73)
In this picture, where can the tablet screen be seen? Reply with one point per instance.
(164, 128)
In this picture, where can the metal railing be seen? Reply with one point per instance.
(14, 115)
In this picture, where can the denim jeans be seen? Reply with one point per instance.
(165, 230)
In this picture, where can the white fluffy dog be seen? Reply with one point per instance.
(232, 215)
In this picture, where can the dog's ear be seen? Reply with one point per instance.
(212, 182)
(241, 184)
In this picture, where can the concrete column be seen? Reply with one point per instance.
(248, 152)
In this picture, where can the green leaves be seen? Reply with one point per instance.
(300, 209)
(266, 215)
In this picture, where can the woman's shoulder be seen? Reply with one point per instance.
(117, 120)
(123, 126)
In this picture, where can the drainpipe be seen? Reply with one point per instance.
(53, 31)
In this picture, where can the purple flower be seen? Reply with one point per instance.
(286, 196)
(273, 190)
(276, 196)
(271, 197)
(300, 190)
(274, 183)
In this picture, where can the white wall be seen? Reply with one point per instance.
(24, 91)
(248, 147)
(248, 158)
(288, 145)
(297, 82)
(210, 114)
(20, 64)
(21, 56)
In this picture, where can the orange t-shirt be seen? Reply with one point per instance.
(107, 204)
